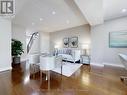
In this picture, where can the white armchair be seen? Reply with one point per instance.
(33, 60)
(47, 63)
(58, 62)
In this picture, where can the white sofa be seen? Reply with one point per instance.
(69, 54)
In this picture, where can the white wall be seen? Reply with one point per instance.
(82, 32)
(19, 33)
(101, 53)
(44, 42)
(5, 44)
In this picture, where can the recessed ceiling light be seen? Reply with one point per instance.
(41, 19)
(67, 21)
(33, 23)
(124, 10)
(53, 12)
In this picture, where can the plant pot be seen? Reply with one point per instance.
(16, 60)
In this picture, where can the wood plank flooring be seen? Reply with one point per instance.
(86, 81)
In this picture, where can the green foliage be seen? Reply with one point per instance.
(17, 48)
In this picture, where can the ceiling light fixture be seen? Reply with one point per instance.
(67, 21)
(41, 19)
(124, 10)
(53, 12)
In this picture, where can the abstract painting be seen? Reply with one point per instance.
(118, 39)
(66, 42)
(73, 42)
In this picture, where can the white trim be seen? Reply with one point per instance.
(114, 64)
(97, 64)
(5, 69)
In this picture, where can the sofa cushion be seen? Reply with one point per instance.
(66, 57)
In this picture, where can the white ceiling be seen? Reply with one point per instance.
(113, 8)
(68, 13)
(92, 10)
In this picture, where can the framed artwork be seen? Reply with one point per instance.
(118, 39)
(66, 42)
(73, 42)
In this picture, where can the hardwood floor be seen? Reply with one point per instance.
(86, 81)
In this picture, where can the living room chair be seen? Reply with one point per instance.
(34, 63)
(59, 63)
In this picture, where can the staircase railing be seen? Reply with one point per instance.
(30, 43)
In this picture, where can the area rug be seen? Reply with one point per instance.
(68, 69)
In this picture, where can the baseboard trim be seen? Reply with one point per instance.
(97, 64)
(115, 65)
(5, 69)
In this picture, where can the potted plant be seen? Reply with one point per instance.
(17, 50)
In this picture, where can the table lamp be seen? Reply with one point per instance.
(56, 49)
(85, 47)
